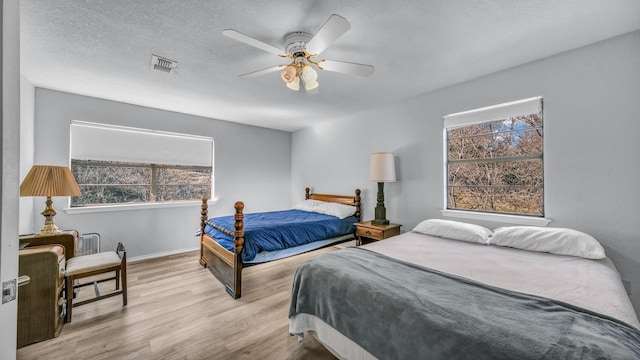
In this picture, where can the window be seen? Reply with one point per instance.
(494, 159)
(121, 165)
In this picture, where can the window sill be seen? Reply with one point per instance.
(127, 207)
(504, 218)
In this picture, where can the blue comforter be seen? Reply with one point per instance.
(276, 230)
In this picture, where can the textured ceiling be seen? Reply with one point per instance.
(103, 49)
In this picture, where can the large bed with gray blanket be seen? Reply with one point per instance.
(418, 296)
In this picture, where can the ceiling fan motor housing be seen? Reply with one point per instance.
(296, 42)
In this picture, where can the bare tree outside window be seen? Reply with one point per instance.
(112, 182)
(497, 166)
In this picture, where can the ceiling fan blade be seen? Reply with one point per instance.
(262, 72)
(235, 35)
(347, 67)
(330, 31)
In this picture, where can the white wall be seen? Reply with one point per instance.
(252, 164)
(592, 124)
(10, 144)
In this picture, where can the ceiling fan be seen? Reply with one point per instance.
(301, 48)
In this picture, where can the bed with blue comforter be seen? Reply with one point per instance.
(278, 230)
(229, 242)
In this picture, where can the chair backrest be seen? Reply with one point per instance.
(121, 250)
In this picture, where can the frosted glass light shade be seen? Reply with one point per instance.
(383, 168)
(310, 77)
(308, 74)
(288, 74)
(311, 85)
(45, 180)
(295, 84)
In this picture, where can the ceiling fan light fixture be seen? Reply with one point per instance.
(301, 48)
(310, 76)
(311, 85)
(288, 74)
(295, 84)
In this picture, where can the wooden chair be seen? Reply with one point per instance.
(90, 265)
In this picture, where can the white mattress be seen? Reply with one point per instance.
(591, 284)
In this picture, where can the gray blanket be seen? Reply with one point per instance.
(397, 310)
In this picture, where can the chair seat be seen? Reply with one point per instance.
(80, 267)
(93, 262)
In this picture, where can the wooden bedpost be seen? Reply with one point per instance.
(357, 204)
(203, 217)
(238, 234)
(238, 242)
(307, 196)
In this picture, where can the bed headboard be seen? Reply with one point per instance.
(341, 199)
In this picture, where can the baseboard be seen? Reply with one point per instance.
(160, 254)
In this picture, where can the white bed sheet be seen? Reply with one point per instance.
(591, 284)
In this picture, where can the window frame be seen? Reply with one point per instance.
(94, 208)
(497, 112)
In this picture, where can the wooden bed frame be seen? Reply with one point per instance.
(226, 265)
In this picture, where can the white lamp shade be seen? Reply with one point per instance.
(383, 168)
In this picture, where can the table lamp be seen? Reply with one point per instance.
(47, 180)
(383, 170)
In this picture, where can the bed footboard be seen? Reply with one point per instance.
(225, 265)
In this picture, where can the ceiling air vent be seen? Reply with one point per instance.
(163, 64)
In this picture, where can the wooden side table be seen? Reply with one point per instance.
(371, 232)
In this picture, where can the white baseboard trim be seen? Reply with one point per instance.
(160, 254)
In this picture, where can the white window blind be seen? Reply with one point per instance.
(496, 112)
(91, 141)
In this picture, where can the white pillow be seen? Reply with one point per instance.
(552, 240)
(308, 205)
(454, 230)
(335, 209)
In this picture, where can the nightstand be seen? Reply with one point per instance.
(370, 232)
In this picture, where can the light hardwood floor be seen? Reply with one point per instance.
(178, 310)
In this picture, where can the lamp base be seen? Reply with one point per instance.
(380, 211)
(380, 222)
(49, 222)
(49, 230)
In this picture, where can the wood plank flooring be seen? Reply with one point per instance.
(178, 310)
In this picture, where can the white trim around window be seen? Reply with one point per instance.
(140, 206)
(502, 218)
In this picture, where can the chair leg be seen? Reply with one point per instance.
(123, 274)
(68, 283)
